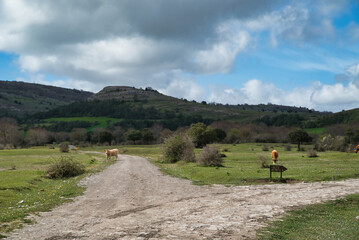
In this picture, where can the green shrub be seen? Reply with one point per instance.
(64, 147)
(312, 153)
(65, 167)
(288, 147)
(263, 161)
(210, 157)
(265, 148)
(178, 147)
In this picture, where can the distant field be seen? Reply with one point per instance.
(315, 130)
(102, 121)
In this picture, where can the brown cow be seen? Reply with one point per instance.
(112, 152)
(275, 156)
(357, 149)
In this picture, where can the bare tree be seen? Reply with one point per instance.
(37, 136)
(9, 133)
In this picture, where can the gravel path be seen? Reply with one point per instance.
(132, 199)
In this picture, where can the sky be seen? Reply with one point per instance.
(296, 53)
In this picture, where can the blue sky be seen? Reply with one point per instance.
(297, 53)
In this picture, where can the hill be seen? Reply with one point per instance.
(18, 99)
(141, 108)
(343, 117)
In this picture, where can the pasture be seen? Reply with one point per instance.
(242, 165)
(24, 189)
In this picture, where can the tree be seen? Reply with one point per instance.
(147, 135)
(201, 134)
(133, 135)
(234, 135)
(119, 134)
(298, 136)
(352, 135)
(105, 136)
(220, 134)
(9, 133)
(78, 135)
(37, 136)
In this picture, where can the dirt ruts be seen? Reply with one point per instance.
(132, 199)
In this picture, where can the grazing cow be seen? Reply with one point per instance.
(274, 156)
(357, 149)
(112, 152)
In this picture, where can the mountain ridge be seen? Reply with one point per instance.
(20, 99)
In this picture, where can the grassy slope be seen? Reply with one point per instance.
(18, 98)
(24, 189)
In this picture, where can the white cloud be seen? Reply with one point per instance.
(336, 95)
(353, 70)
(319, 96)
(221, 56)
(91, 44)
(185, 88)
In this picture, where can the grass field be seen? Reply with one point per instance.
(24, 189)
(330, 221)
(242, 167)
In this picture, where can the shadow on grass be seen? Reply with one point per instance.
(273, 180)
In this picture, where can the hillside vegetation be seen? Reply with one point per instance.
(41, 106)
(18, 99)
(142, 108)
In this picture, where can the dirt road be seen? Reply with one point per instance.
(132, 199)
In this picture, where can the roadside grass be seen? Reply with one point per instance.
(328, 221)
(25, 190)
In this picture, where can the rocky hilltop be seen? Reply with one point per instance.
(129, 93)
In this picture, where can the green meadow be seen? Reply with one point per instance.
(329, 221)
(101, 121)
(242, 165)
(315, 130)
(24, 188)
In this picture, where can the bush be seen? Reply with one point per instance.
(263, 161)
(288, 147)
(312, 153)
(64, 147)
(178, 147)
(210, 157)
(265, 148)
(65, 167)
